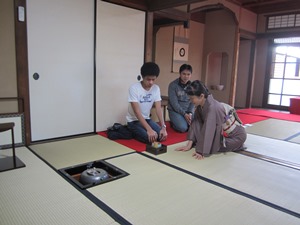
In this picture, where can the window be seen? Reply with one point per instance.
(284, 21)
(284, 81)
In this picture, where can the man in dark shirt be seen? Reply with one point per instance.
(179, 106)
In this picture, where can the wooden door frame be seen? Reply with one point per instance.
(22, 66)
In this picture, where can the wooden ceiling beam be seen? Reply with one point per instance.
(277, 7)
(135, 4)
(256, 6)
(262, 3)
(155, 5)
(173, 14)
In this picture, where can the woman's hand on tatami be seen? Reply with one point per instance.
(185, 148)
(198, 156)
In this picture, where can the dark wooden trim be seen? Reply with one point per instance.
(149, 37)
(22, 66)
(164, 4)
(232, 93)
(247, 34)
(173, 14)
(94, 66)
(267, 74)
(282, 34)
(251, 74)
(262, 7)
(138, 4)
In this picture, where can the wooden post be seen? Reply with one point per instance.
(22, 66)
(149, 37)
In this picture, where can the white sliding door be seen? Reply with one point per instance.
(120, 54)
(60, 51)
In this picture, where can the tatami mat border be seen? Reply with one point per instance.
(270, 159)
(270, 204)
(113, 214)
(117, 156)
(116, 216)
(291, 137)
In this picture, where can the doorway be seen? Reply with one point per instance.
(284, 79)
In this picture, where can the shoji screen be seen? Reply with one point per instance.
(119, 56)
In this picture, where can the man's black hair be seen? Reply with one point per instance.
(185, 67)
(150, 69)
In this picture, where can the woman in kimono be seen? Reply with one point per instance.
(215, 127)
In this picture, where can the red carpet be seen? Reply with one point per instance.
(268, 114)
(248, 119)
(173, 138)
(247, 116)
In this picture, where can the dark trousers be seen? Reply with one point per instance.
(140, 133)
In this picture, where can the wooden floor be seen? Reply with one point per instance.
(171, 188)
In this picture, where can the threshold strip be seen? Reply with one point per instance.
(244, 194)
(270, 159)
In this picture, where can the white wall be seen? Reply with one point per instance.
(119, 56)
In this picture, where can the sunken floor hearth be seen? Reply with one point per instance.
(92, 173)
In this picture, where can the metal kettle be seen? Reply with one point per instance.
(93, 176)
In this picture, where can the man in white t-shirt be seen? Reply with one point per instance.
(142, 96)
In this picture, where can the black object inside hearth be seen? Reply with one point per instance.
(93, 173)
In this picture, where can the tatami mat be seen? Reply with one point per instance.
(155, 193)
(177, 189)
(65, 153)
(36, 194)
(296, 139)
(278, 149)
(270, 182)
(274, 128)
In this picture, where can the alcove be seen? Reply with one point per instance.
(217, 69)
(220, 51)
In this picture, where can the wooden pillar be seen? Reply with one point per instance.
(22, 65)
(251, 76)
(234, 69)
(149, 38)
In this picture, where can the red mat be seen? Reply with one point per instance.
(269, 114)
(248, 119)
(247, 116)
(173, 138)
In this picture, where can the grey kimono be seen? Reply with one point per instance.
(208, 130)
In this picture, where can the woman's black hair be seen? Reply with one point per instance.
(150, 69)
(197, 88)
(185, 67)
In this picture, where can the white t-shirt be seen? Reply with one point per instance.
(145, 99)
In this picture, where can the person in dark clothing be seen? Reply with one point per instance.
(216, 126)
(180, 107)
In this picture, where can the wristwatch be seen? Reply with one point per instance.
(164, 125)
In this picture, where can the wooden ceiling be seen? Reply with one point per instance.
(268, 6)
(256, 6)
(166, 11)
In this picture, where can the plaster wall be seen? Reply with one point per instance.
(8, 73)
